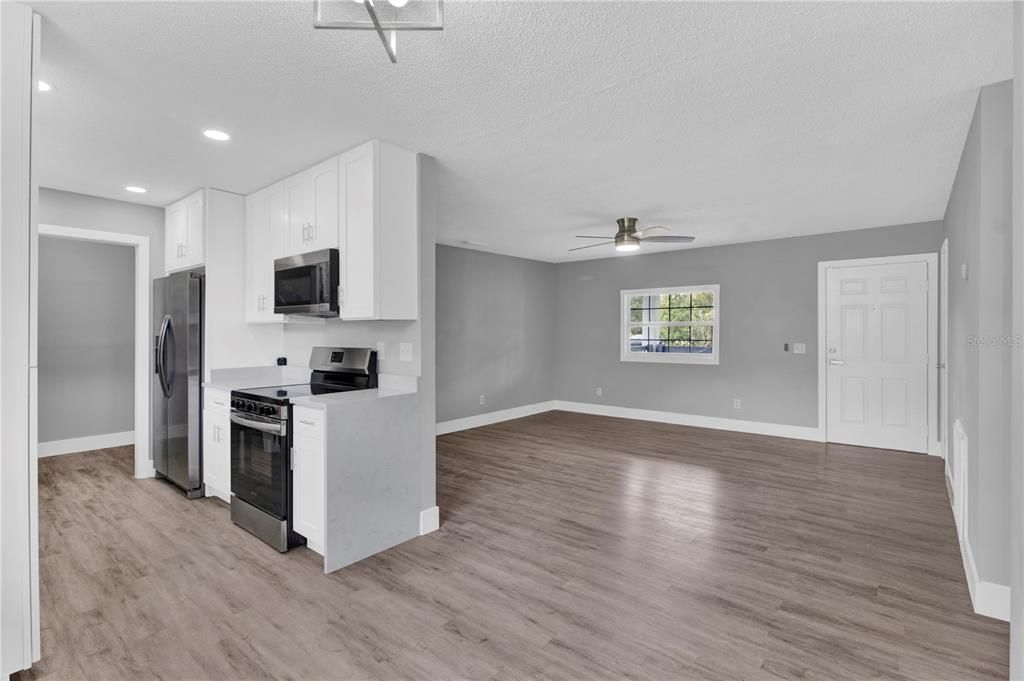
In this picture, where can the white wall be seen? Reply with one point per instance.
(19, 587)
(1017, 372)
(230, 341)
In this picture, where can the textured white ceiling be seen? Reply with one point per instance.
(728, 121)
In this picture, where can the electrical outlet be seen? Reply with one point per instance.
(483, 399)
(799, 348)
(600, 391)
(736, 404)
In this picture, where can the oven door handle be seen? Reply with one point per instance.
(275, 429)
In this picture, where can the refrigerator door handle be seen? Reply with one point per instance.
(161, 355)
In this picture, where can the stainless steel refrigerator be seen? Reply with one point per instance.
(178, 367)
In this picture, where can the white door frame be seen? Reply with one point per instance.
(931, 260)
(942, 354)
(143, 296)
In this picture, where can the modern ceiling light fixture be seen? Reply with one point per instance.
(628, 238)
(386, 18)
(218, 135)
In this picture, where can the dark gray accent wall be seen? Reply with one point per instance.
(86, 339)
(977, 224)
(495, 332)
(769, 296)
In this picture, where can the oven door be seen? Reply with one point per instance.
(259, 462)
(307, 284)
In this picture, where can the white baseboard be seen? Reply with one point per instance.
(717, 423)
(430, 520)
(988, 598)
(86, 444)
(489, 418)
(737, 425)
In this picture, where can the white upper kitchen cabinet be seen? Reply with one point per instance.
(185, 233)
(265, 219)
(378, 232)
(311, 199)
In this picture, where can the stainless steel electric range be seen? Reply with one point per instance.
(261, 441)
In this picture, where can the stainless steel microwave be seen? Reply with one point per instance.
(307, 284)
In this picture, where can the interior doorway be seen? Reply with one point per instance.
(143, 465)
(878, 327)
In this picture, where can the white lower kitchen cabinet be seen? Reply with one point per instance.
(308, 475)
(217, 443)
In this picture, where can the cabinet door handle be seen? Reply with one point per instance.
(312, 232)
(306, 422)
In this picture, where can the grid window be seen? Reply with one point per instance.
(677, 324)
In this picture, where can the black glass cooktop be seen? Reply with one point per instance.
(281, 394)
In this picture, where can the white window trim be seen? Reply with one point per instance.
(667, 357)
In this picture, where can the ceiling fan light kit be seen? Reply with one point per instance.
(628, 239)
(386, 17)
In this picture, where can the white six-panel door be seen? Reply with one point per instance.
(876, 355)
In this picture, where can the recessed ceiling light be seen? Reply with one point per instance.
(44, 86)
(135, 190)
(218, 135)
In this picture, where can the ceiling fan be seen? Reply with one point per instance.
(629, 239)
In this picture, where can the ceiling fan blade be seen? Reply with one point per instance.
(580, 236)
(647, 230)
(580, 248)
(667, 239)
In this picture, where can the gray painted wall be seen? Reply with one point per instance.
(562, 322)
(495, 324)
(68, 209)
(977, 223)
(86, 339)
(769, 296)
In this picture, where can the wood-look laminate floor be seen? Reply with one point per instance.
(571, 547)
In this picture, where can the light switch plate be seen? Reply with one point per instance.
(799, 348)
(405, 352)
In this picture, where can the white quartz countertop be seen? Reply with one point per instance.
(256, 377)
(261, 377)
(330, 399)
